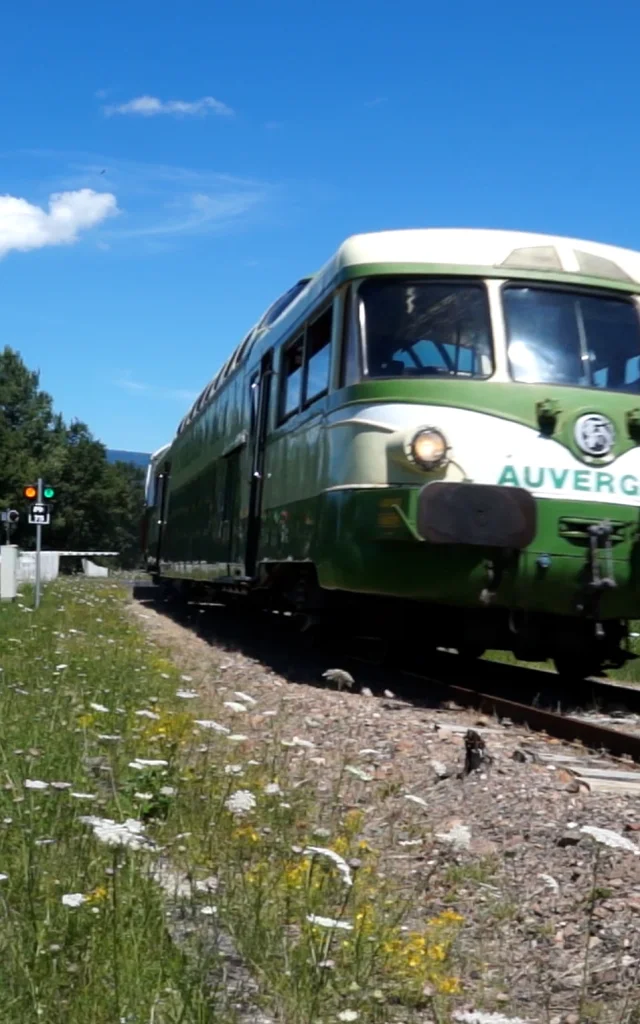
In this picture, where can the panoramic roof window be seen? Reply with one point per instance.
(534, 257)
(573, 338)
(425, 328)
(279, 306)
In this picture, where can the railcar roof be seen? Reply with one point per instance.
(489, 248)
(441, 248)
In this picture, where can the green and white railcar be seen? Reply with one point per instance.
(440, 429)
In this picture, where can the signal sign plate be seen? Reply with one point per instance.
(39, 514)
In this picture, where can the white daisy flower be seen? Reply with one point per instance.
(240, 802)
(186, 694)
(234, 705)
(3, 877)
(607, 837)
(148, 762)
(348, 1015)
(73, 899)
(206, 723)
(186, 679)
(208, 911)
(167, 791)
(148, 714)
(272, 789)
(459, 837)
(128, 833)
(83, 796)
(329, 922)
(359, 774)
(207, 884)
(61, 785)
(479, 1017)
(245, 697)
(233, 769)
(99, 707)
(35, 784)
(415, 799)
(340, 862)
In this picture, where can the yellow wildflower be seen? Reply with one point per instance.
(97, 895)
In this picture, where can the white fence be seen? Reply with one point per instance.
(20, 567)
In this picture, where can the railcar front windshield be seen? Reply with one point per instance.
(421, 328)
(572, 338)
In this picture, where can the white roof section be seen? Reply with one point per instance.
(157, 455)
(480, 247)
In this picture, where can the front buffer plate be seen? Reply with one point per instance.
(483, 515)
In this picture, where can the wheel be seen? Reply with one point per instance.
(574, 669)
(471, 652)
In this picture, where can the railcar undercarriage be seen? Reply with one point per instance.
(579, 646)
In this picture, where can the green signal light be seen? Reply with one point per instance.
(48, 492)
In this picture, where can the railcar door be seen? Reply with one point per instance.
(161, 501)
(231, 511)
(260, 385)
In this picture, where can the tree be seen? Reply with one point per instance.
(97, 506)
(31, 435)
(126, 485)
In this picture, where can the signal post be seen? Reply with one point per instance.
(39, 516)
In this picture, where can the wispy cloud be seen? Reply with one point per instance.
(199, 213)
(162, 202)
(377, 102)
(126, 383)
(25, 226)
(151, 106)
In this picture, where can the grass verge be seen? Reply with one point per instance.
(105, 771)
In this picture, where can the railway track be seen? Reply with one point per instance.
(543, 704)
(538, 691)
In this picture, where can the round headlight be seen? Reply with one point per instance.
(429, 448)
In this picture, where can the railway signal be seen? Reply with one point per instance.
(9, 518)
(39, 516)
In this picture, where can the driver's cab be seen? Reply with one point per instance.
(425, 327)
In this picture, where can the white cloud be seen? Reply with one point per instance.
(151, 106)
(25, 226)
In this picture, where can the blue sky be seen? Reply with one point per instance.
(231, 147)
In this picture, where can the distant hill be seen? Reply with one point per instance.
(135, 458)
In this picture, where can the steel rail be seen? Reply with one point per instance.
(562, 727)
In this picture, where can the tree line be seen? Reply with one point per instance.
(97, 505)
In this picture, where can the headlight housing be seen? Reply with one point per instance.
(428, 448)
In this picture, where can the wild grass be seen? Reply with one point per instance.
(110, 778)
(92, 730)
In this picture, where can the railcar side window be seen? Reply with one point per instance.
(318, 356)
(350, 361)
(291, 378)
(425, 328)
(573, 338)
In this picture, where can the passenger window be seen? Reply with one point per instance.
(350, 365)
(291, 385)
(318, 356)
